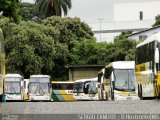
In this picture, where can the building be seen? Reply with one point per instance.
(127, 15)
(129, 10)
(83, 71)
(144, 34)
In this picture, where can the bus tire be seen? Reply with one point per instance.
(138, 91)
(141, 91)
(112, 94)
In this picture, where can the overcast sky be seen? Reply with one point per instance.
(92, 10)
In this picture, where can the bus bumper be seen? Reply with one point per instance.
(38, 98)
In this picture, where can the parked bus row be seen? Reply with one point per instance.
(115, 82)
(41, 88)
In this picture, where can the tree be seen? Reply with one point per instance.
(43, 48)
(124, 48)
(157, 18)
(28, 11)
(9, 8)
(49, 8)
(71, 30)
(84, 52)
(30, 48)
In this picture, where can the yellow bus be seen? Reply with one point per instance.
(2, 64)
(117, 81)
(62, 90)
(85, 89)
(148, 67)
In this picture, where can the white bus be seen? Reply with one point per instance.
(39, 88)
(14, 87)
(117, 81)
(85, 89)
(148, 67)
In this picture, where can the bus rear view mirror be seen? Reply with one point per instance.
(157, 55)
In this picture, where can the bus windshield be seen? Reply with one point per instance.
(124, 79)
(12, 87)
(93, 87)
(39, 88)
(78, 87)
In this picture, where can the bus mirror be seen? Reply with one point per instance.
(157, 56)
(86, 88)
(86, 85)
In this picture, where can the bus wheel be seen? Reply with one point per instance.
(140, 92)
(112, 94)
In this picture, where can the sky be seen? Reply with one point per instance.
(91, 11)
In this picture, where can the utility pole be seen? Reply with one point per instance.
(100, 27)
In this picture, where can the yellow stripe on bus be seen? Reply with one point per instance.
(66, 96)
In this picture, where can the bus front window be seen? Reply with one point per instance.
(34, 88)
(12, 87)
(124, 79)
(78, 87)
(44, 88)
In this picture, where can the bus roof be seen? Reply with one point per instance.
(56, 82)
(154, 37)
(122, 65)
(13, 75)
(39, 76)
(89, 79)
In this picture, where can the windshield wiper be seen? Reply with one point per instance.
(125, 84)
(36, 90)
(41, 90)
(14, 90)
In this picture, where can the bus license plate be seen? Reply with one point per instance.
(129, 98)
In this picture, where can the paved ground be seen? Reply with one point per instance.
(137, 106)
(79, 110)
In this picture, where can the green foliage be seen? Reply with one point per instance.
(30, 48)
(49, 8)
(9, 8)
(28, 11)
(47, 47)
(84, 52)
(123, 47)
(157, 18)
(71, 30)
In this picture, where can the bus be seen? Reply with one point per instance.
(86, 89)
(117, 81)
(62, 90)
(39, 88)
(14, 87)
(148, 67)
(2, 64)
